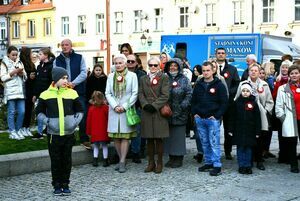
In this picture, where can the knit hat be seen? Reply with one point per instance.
(58, 73)
(248, 86)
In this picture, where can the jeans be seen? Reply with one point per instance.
(244, 156)
(209, 132)
(136, 142)
(82, 135)
(13, 106)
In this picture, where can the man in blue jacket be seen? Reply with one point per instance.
(75, 65)
(209, 103)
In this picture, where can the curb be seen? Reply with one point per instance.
(39, 161)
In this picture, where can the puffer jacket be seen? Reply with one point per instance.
(14, 87)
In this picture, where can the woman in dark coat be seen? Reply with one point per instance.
(180, 100)
(96, 81)
(245, 124)
(153, 95)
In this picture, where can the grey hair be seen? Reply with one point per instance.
(120, 56)
(154, 58)
(252, 57)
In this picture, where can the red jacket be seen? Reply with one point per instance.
(96, 123)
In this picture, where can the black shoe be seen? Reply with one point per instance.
(198, 157)
(260, 166)
(136, 158)
(177, 162)
(228, 156)
(242, 170)
(216, 171)
(65, 189)
(205, 168)
(58, 191)
(294, 169)
(105, 162)
(37, 136)
(248, 170)
(170, 161)
(95, 162)
(270, 155)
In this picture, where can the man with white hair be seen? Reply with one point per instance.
(250, 59)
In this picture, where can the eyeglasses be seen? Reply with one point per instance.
(220, 52)
(152, 65)
(130, 61)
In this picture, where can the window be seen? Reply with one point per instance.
(31, 28)
(137, 20)
(47, 26)
(99, 23)
(2, 30)
(25, 2)
(210, 14)
(297, 10)
(184, 17)
(239, 10)
(5, 2)
(81, 24)
(16, 29)
(158, 19)
(268, 10)
(119, 22)
(65, 26)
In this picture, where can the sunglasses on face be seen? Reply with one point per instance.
(153, 65)
(130, 61)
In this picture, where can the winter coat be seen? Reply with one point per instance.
(95, 84)
(264, 100)
(245, 122)
(153, 125)
(14, 87)
(180, 95)
(96, 123)
(117, 122)
(209, 99)
(285, 110)
(60, 110)
(232, 80)
(43, 77)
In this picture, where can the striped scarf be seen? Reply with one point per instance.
(120, 86)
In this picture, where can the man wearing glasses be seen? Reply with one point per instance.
(232, 79)
(135, 146)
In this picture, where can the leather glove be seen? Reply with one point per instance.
(149, 108)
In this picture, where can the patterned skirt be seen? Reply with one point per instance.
(126, 136)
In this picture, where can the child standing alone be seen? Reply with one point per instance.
(245, 126)
(60, 110)
(96, 126)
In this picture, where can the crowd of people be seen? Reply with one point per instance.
(65, 96)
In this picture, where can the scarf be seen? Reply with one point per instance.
(120, 86)
(152, 75)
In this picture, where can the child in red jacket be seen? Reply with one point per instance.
(96, 126)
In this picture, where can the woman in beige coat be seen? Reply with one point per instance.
(153, 95)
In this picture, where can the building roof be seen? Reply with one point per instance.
(15, 6)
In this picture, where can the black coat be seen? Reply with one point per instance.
(43, 77)
(245, 122)
(95, 84)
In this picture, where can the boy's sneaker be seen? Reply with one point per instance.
(205, 168)
(216, 171)
(37, 136)
(28, 132)
(57, 191)
(65, 189)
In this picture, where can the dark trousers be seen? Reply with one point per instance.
(266, 139)
(291, 145)
(282, 155)
(258, 149)
(227, 137)
(60, 151)
(82, 135)
(28, 112)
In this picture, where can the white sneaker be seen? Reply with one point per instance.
(23, 132)
(13, 135)
(28, 132)
(20, 134)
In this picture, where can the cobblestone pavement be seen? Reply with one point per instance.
(185, 183)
